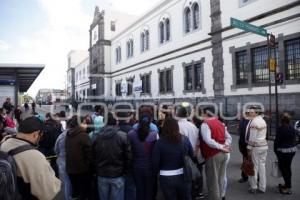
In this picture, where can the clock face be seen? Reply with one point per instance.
(95, 35)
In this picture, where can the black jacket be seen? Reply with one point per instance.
(111, 153)
(78, 151)
(285, 137)
(52, 130)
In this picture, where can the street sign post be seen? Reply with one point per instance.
(271, 41)
(248, 27)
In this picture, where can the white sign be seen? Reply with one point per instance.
(95, 35)
(94, 86)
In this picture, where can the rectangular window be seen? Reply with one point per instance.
(241, 67)
(162, 82)
(260, 67)
(188, 78)
(292, 59)
(198, 76)
(118, 89)
(146, 84)
(129, 87)
(169, 83)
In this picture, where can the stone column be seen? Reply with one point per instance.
(217, 48)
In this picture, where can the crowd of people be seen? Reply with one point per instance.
(126, 155)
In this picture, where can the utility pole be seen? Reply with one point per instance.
(273, 70)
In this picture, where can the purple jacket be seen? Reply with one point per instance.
(142, 151)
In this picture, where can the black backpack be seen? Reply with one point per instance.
(8, 173)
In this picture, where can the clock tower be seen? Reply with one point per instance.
(96, 54)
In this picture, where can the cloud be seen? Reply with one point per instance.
(3, 46)
(65, 29)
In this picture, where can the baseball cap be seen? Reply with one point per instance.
(30, 125)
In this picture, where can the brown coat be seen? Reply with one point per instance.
(78, 151)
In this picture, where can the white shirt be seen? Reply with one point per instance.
(189, 130)
(258, 136)
(206, 136)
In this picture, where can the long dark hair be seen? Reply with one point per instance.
(170, 131)
(144, 127)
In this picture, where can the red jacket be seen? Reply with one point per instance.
(217, 130)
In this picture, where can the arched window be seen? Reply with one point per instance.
(187, 19)
(161, 32)
(167, 29)
(117, 55)
(147, 39)
(131, 47)
(120, 54)
(143, 42)
(128, 48)
(196, 16)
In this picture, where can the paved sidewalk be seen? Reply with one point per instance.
(239, 191)
(235, 190)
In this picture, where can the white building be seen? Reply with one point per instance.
(82, 83)
(186, 49)
(75, 57)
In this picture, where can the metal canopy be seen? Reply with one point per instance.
(24, 74)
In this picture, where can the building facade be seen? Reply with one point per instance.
(82, 83)
(50, 96)
(187, 50)
(75, 57)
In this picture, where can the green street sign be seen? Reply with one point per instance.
(248, 27)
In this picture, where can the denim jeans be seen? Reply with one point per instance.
(64, 177)
(130, 189)
(111, 188)
(174, 188)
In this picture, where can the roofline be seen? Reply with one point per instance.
(19, 65)
(87, 58)
(156, 7)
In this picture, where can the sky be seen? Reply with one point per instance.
(45, 31)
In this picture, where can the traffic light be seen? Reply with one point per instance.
(279, 78)
(271, 41)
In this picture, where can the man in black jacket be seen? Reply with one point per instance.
(242, 143)
(111, 158)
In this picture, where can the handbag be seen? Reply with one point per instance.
(190, 170)
(248, 166)
(276, 173)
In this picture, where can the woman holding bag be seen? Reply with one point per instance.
(168, 160)
(285, 149)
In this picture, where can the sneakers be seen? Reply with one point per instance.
(256, 191)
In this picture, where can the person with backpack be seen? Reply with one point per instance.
(111, 158)
(35, 179)
(142, 141)
(285, 149)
